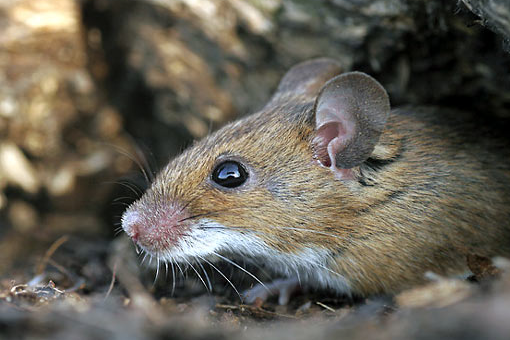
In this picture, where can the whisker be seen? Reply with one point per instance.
(200, 215)
(206, 276)
(120, 203)
(310, 231)
(196, 272)
(116, 200)
(173, 278)
(157, 270)
(129, 183)
(129, 186)
(323, 267)
(275, 227)
(241, 268)
(144, 257)
(146, 164)
(242, 228)
(187, 204)
(223, 275)
(262, 270)
(246, 228)
(148, 178)
(290, 228)
(179, 267)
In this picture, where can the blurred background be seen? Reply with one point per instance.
(92, 89)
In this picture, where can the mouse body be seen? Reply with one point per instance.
(327, 185)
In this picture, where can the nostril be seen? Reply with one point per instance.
(131, 224)
(133, 231)
(134, 236)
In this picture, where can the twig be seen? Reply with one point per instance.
(112, 282)
(325, 306)
(256, 311)
(51, 250)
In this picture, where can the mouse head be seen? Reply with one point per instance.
(274, 183)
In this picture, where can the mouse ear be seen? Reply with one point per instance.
(350, 113)
(307, 78)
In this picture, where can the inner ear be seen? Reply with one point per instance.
(329, 135)
(350, 113)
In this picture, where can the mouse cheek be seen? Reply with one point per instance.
(158, 231)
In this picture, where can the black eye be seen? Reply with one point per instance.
(229, 174)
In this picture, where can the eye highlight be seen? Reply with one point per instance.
(229, 174)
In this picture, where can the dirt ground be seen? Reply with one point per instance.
(94, 93)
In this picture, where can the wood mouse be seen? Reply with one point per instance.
(326, 187)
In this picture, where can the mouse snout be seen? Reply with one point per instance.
(155, 228)
(131, 224)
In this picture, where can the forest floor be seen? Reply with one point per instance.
(79, 289)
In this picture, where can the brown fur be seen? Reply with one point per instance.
(435, 189)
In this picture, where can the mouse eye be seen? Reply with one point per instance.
(230, 174)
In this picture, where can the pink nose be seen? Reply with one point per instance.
(155, 228)
(131, 224)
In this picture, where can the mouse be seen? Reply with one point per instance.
(332, 189)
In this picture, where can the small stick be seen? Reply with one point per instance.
(51, 250)
(112, 282)
(325, 306)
